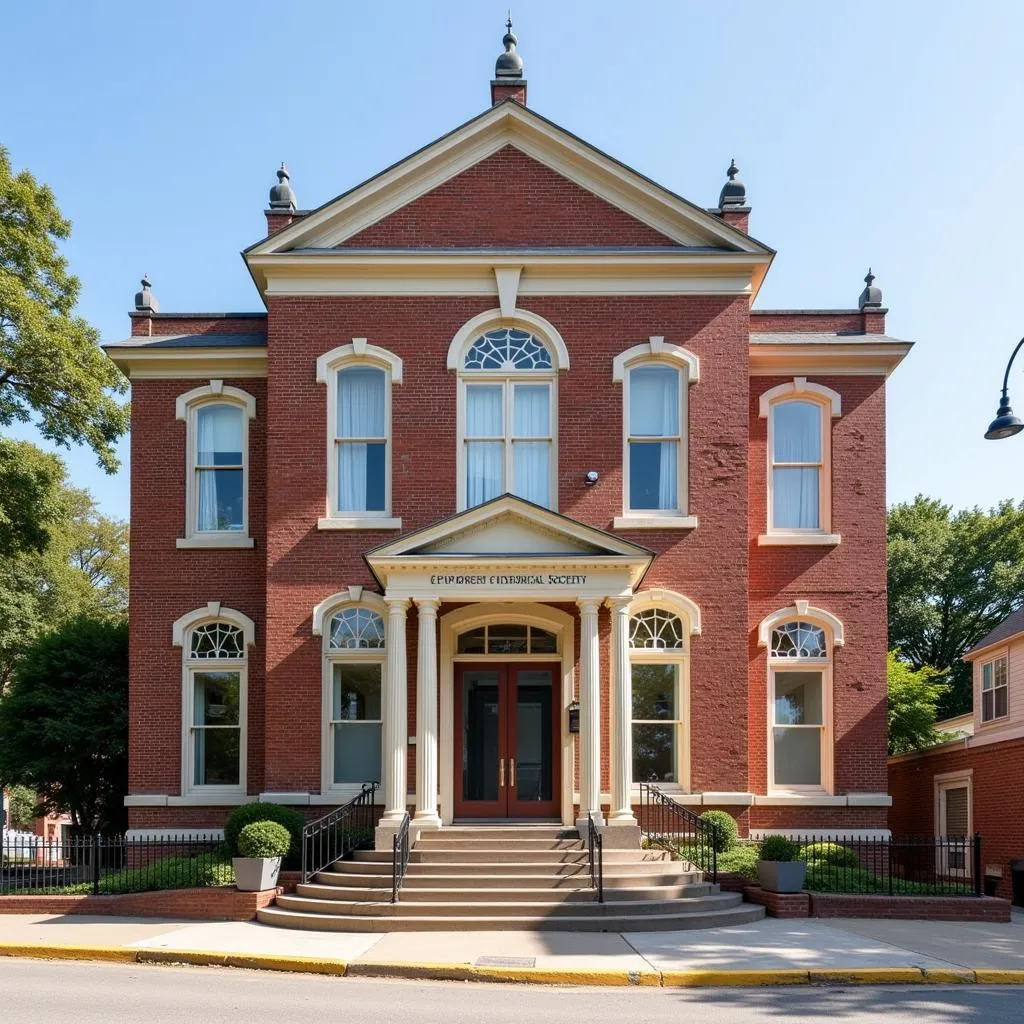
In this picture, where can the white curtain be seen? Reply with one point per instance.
(796, 431)
(360, 414)
(484, 458)
(218, 443)
(654, 412)
(531, 417)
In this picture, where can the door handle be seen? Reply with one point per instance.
(512, 772)
(501, 771)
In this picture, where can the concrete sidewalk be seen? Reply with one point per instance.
(766, 952)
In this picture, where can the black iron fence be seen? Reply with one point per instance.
(94, 864)
(930, 866)
(595, 856)
(668, 825)
(336, 834)
(399, 857)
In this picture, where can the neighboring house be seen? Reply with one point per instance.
(508, 436)
(975, 782)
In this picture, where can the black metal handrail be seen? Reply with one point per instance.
(399, 857)
(670, 826)
(595, 854)
(338, 833)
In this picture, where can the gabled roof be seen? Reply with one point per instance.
(1011, 626)
(509, 123)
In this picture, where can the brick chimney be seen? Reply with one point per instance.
(508, 83)
(282, 203)
(732, 202)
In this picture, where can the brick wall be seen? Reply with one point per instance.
(911, 908)
(221, 903)
(997, 798)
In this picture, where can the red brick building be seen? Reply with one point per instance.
(972, 782)
(509, 435)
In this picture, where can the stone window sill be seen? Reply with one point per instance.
(799, 539)
(358, 523)
(641, 522)
(215, 541)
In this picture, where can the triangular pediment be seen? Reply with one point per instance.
(507, 528)
(509, 126)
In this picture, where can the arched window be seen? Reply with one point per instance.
(800, 699)
(354, 655)
(359, 378)
(216, 482)
(214, 643)
(799, 418)
(659, 650)
(656, 379)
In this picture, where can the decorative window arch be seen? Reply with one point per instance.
(799, 502)
(216, 418)
(214, 699)
(354, 646)
(359, 378)
(507, 407)
(656, 380)
(661, 623)
(800, 642)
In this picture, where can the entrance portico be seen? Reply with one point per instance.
(505, 562)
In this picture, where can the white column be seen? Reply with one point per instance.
(590, 714)
(396, 722)
(426, 714)
(622, 717)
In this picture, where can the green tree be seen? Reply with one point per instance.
(64, 722)
(30, 496)
(22, 804)
(51, 367)
(952, 578)
(914, 696)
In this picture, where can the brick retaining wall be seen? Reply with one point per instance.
(911, 908)
(222, 903)
(779, 904)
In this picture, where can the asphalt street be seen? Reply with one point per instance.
(90, 993)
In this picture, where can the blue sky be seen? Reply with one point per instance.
(867, 133)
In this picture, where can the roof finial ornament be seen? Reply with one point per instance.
(145, 300)
(509, 64)
(734, 192)
(281, 195)
(871, 297)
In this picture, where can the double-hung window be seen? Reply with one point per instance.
(994, 690)
(654, 439)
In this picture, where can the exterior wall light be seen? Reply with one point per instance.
(574, 716)
(1005, 424)
(591, 478)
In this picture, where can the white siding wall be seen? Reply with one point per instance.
(1014, 651)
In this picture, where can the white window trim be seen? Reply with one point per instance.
(996, 720)
(492, 320)
(186, 408)
(830, 406)
(181, 636)
(358, 353)
(654, 352)
(834, 637)
(687, 610)
(322, 613)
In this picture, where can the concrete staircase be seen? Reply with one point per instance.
(514, 878)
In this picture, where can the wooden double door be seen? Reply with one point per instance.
(507, 762)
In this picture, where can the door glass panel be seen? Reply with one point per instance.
(533, 735)
(480, 735)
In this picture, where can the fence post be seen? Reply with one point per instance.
(95, 864)
(978, 886)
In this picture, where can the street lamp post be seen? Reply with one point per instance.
(1005, 424)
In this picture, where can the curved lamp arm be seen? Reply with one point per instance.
(1006, 376)
(1006, 424)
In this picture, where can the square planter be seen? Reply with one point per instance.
(781, 875)
(254, 874)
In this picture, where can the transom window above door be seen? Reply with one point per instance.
(507, 419)
(508, 638)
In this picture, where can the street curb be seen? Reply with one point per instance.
(576, 976)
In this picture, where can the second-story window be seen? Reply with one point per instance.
(994, 690)
(654, 439)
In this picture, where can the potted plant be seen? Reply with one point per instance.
(261, 845)
(778, 869)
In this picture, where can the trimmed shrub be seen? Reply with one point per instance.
(263, 839)
(741, 860)
(832, 854)
(723, 829)
(778, 848)
(248, 813)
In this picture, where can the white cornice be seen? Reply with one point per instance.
(830, 358)
(191, 363)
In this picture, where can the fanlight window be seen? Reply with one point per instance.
(508, 349)
(217, 640)
(357, 629)
(656, 629)
(799, 640)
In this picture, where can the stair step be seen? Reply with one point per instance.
(461, 855)
(494, 880)
(490, 845)
(412, 894)
(744, 914)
